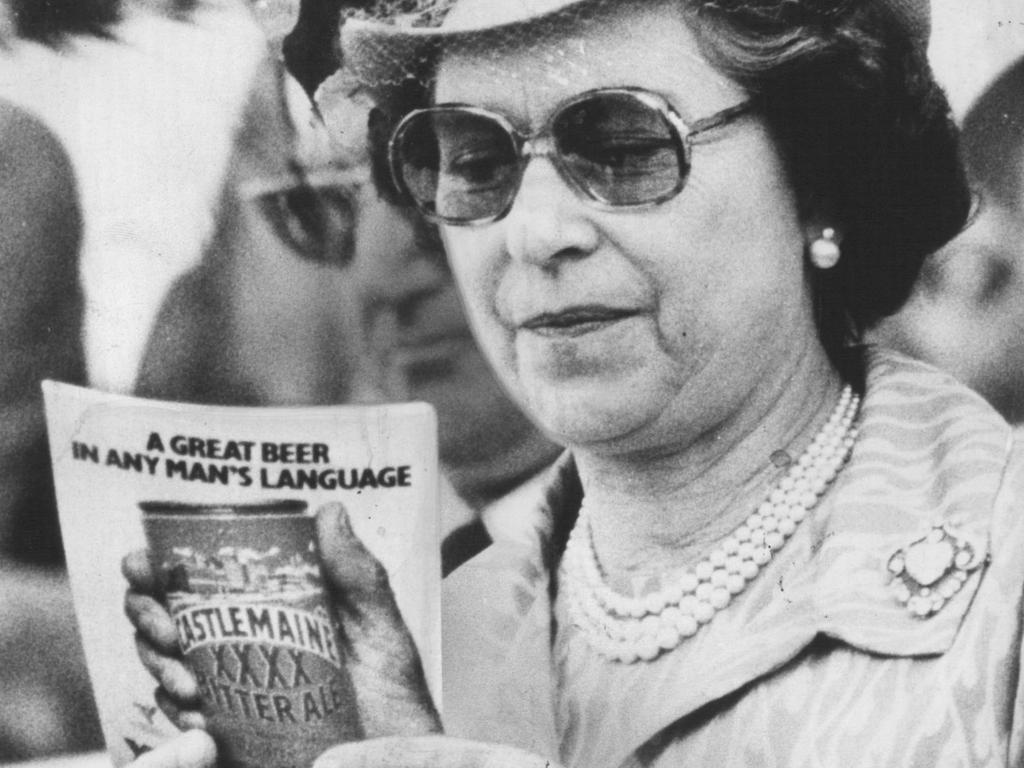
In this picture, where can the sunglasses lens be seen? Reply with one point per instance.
(619, 148)
(462, 166)
(458, 166)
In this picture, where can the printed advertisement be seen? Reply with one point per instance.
(224, 499)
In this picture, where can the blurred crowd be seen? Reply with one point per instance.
(192, 213)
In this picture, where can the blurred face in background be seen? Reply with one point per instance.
(269, 316)
(282, 254)
(317, 290)
(967, 312)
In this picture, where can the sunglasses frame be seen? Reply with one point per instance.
(528, 147)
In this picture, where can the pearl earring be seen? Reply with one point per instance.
(825, 250)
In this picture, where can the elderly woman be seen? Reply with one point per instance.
(669, 221)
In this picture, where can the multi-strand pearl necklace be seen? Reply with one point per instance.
(628, 629)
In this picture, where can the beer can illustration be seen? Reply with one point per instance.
(244, 587)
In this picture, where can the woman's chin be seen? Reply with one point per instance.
(592, 414)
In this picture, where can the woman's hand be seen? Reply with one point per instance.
(382, 660)
(156, 641)
(428, 752)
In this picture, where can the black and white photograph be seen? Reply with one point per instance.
(690, 436)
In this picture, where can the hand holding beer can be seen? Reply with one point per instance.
(244, 587)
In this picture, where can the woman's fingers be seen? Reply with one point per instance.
(383, 661)
(192, 749)
(171, 672)
(427, 752)
(156, 641)
(152, 621)
(184, 719)
(135, 567)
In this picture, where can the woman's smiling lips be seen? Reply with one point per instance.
(575, 320)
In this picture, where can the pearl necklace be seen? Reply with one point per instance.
(629, 629)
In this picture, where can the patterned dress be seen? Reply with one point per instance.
(816, 663)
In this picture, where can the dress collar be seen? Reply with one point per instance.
(930, 452)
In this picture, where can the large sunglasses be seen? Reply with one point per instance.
(618, 147)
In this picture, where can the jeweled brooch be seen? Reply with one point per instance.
(929, 571)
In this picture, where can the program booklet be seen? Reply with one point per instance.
(250, 606)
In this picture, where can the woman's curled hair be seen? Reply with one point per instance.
(865, 133)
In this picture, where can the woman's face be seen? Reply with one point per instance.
(633, 329)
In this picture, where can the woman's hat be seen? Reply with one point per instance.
(387, 48)
(398, 40)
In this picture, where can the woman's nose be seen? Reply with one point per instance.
(548, 222)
